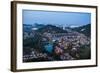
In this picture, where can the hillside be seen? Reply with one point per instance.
(51, 29)
(86, 29)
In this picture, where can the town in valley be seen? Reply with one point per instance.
(50, 42)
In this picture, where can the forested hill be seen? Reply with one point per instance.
(86, 29)
(51, 29)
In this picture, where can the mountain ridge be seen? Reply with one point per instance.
(51, 29)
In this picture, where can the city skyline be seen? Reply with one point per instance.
(73, 19)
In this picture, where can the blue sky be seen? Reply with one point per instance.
(61, 18)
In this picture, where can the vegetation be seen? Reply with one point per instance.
(85, 52)
(33, 42)
(51, 29)
(86, 29)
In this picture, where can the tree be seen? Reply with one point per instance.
(85, 52)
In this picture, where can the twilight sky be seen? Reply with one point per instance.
(61, 18)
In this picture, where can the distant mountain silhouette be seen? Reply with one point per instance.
(27, 27)
(51, 29)
(37, 25)
(86, 29)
